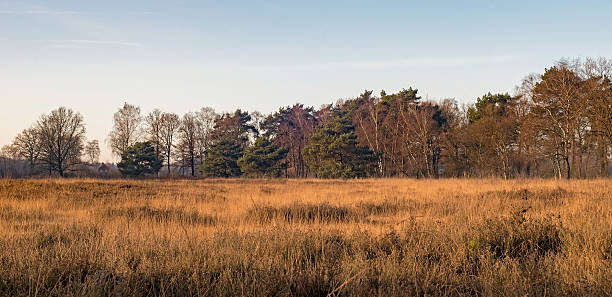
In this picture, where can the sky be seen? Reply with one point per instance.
(180, 56)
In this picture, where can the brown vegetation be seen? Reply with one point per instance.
(389, 237)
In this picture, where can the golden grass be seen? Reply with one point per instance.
(374, 237)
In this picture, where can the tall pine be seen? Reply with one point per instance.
(263, 159)
(335, 153)
(222, 159)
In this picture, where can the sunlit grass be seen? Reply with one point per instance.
(382, 237)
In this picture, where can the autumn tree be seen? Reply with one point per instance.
(454, 151)
(493, 130)
(236, 125)
(291, 128)
(367, 116)
(598, 75)
(559, 103)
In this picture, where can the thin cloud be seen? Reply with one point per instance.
(54, 12)
(41, 12)
(96, 42)
(431, 62)
(143, 13)
(65, 12)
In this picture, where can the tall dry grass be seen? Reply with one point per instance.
(377, 237)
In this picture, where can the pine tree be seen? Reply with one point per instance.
(263, 159)
(139, 160)
(222, 159)
(335, 153)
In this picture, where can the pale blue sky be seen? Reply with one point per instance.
(180, 56)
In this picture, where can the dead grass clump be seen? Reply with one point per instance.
(266, 190)
(518, 238)
(606, 247)
(389, 206)
(161, 215)
(526, 194)
(211, 196)
(305, 213)
(325, 212)
(12, 214)
(65, 235)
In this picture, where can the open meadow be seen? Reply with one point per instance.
(242, 237)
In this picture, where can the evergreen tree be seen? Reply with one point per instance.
(139, 160)
(335, 153)
(489, 103)
(222, 160)
(263, 159)
(236, 126)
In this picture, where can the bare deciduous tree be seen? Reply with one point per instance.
(153, 130)
(189, 140)
(126, 128)
(559, 104)
(206, 118)
(92, 151)
(27, 146)
(62, 134)
(170, 124)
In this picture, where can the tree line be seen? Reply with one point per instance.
(556, 124)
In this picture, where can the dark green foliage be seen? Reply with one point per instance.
(406, 97)
(291, 128)
(488, 103)
(222, 159)
(234, 126)
(139, 160)
(335, 153)
(263, 159)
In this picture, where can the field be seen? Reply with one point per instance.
(387, 237)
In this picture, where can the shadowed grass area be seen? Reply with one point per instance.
(305, 213)
(161, 215)
(327, 213)
(517, 238)
(526, 194)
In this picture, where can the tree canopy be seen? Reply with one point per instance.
(263, 159)
(222, 160)
(335, 153)
(555, 124)
(139, 160)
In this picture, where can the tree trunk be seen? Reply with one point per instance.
(168, 165)
(192, 166)
(603, 169)
(567, 163)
